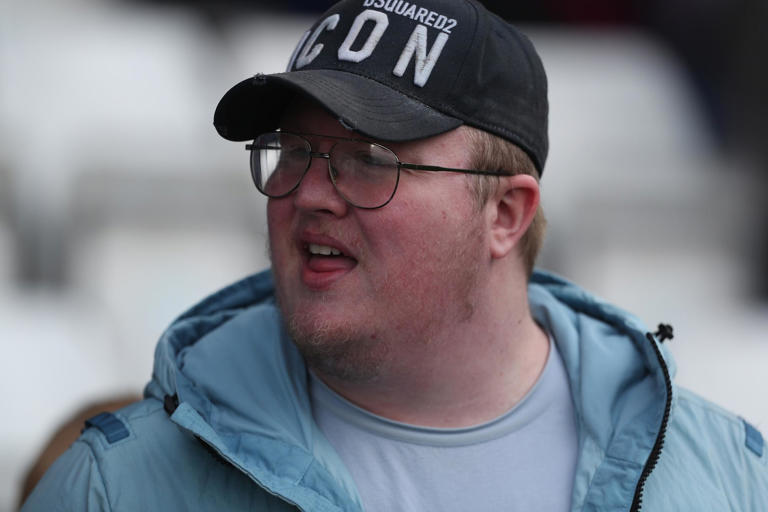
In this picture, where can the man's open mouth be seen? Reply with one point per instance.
(323, 250)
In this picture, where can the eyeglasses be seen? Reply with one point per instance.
(364, 173)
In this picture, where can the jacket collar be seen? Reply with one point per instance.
(618, 386)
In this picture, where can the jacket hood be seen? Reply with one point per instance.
(241, 389)
(245, 395)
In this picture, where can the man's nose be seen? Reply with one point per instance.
(316, 192)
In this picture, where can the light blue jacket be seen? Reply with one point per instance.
(226, 424)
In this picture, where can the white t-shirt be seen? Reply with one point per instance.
(523, 460)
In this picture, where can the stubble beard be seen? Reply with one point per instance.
(337, 349)
(360, 350)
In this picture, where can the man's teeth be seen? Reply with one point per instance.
(323, 250)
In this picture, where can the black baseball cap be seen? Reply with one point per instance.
(395, 70)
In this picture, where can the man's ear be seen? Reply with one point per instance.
(510, 211)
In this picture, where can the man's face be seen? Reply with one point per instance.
(406, 272)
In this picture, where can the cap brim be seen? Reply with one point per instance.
(363, 105)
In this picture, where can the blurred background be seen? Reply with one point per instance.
(120, 206)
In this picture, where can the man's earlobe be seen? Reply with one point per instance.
(513, 208)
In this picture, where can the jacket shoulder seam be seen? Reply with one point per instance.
(99, 443)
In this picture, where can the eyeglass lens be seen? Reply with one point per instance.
(365, 174)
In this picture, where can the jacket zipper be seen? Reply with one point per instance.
(653, 458)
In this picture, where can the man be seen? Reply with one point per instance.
(401, 354)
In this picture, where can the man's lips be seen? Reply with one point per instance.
(318, 263)
(325, 260)
(316, 244)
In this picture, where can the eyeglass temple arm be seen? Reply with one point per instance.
(435, 168)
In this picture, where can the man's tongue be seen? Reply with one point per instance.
(319, 263)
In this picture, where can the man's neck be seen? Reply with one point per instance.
(471, 373)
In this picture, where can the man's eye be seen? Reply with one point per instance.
(369, 159)
(294, 153)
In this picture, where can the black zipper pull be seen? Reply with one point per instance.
(664, 332)
(170, 403)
